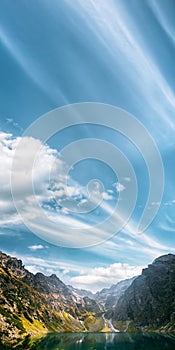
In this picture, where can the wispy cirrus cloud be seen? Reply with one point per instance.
(161, 17)
(113, 25)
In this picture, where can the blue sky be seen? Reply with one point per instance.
(56, 53)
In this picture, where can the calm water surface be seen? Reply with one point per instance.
(106, 341)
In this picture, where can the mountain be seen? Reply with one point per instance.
(31, 305)
(149, 303)
(108, 297)
(82, 292)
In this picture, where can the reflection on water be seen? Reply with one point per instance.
(106, 341)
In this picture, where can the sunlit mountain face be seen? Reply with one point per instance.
(58, 53)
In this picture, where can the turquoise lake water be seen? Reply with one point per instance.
(106, 341)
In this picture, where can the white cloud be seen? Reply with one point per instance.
(42, 197)
(169, 203)
(84, 277)
(36, 247)
(156, 203)
(120, 187)
(101, 277)
(33, 269)
(61, 268)
(13, 124)
(49, 175)
(127, 179)
(107, 196)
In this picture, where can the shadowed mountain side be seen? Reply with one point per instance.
(108, 297)
(33, 305)
(149, 303)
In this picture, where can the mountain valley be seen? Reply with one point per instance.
(32, 305)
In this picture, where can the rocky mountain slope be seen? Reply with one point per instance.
(34, 304)
(149, 302)
(108, 297)
(82, 292)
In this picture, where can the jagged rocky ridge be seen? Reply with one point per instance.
(82, 292)
(149, 303)
(108, 297)
(34, 304)
(31, 305)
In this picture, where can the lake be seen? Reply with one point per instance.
(106, 341)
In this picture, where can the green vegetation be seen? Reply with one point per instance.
(29, 309)
(33, 305)
(93, 324)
